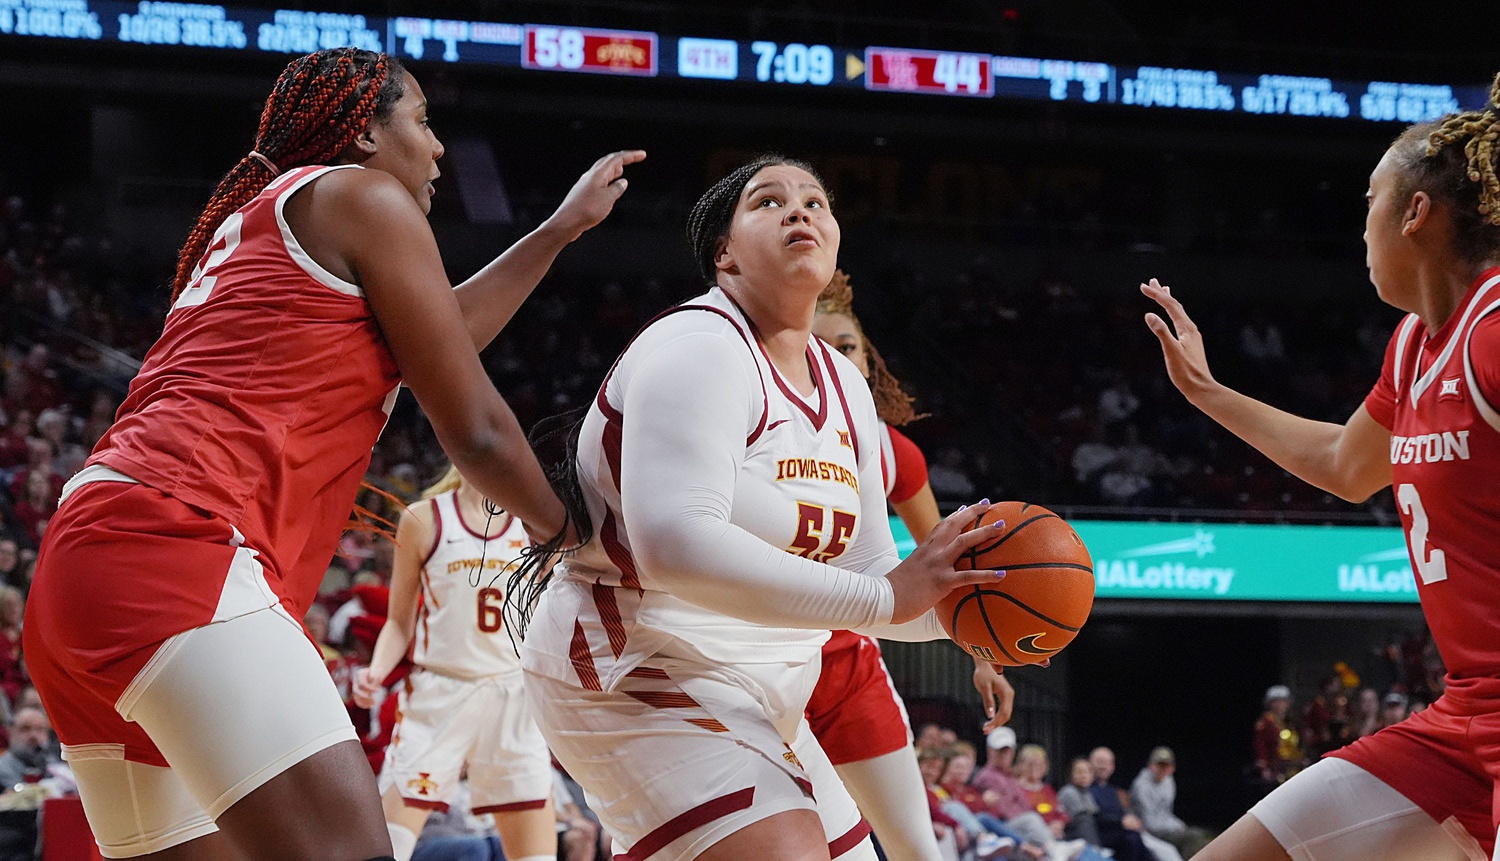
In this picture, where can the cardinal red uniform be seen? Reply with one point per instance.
(855, 711)
(219, 491)
(1437, 395)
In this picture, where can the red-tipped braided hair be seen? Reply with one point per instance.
(320, 104)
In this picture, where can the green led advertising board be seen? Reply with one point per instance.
(1241, 562)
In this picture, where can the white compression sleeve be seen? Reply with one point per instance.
(686, 412)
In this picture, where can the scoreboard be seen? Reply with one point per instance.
(549, 48)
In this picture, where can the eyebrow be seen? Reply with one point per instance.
(749, 192)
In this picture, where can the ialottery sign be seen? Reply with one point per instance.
(1219, 561)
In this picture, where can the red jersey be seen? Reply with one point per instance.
(1437, 395)
(264, 396)
(902, 463)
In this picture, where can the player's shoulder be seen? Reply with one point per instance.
(422, 514)
(703, 331)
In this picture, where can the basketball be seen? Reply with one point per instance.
(1042, 602)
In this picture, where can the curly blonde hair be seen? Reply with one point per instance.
(1453, 160)
(892, 403)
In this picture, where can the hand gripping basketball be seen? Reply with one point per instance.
(1044, 602)
(930, 573)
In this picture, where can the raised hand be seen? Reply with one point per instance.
(1187, 364)
(928, 575)
(593, 196)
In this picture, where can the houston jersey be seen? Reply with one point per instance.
(264, 395)
(901, 463)
(1437, 396)
(797, 474)
(459, 623)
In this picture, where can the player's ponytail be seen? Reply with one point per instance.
(452, 479)
(555, 441)
(1454, 160)
(320, 104)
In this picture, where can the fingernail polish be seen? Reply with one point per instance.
(962, 508)
(999, 575)
(998, 524)
(985, 501)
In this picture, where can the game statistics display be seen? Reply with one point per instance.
(548, 48)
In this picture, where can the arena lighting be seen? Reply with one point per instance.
(547, 48)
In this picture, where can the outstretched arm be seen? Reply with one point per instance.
(1351, 460)
(490, 298)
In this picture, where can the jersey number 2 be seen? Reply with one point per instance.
(201, 284)
(809, 541)
(1432, 563)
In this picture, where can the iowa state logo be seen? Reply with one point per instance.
(422, 784)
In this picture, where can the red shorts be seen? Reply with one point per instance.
(124, 567)
(854, 710)
(1445, 758)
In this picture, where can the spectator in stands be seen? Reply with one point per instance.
(1395, 708)
(1278, 745)
(29, 758)
(1003, 796)
(37, 504)
(578, 828)
(12, 669)
(1031, 773)
(1366, 717)
(1076, 801)
(12, 569)
(1119, 829)
(316, 623)
(932, 761)
(1153, 794)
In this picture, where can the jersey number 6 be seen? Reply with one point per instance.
(490, 617)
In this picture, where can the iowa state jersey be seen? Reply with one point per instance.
(1436, 395)
(264, 395)
(460, 627)
(797, 488)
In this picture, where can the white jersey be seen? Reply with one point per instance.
(459, 628)
(763, 483)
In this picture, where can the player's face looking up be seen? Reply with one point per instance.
(402, 144)
(783, 234)
(840, 332)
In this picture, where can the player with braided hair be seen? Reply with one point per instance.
(731, 465)
(163, 622)
(1424, 787)
(854, 711)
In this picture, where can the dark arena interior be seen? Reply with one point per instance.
(1005, 173)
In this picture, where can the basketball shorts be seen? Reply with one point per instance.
(682, 755)
(443, 723)
(1445, 758)
(174, 679)
(854, 711)
(1338, 811)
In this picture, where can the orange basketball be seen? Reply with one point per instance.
(1044, 599)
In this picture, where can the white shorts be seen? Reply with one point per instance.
(681, 755)
(444, 723)
(1337, 811)
(230, 705)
